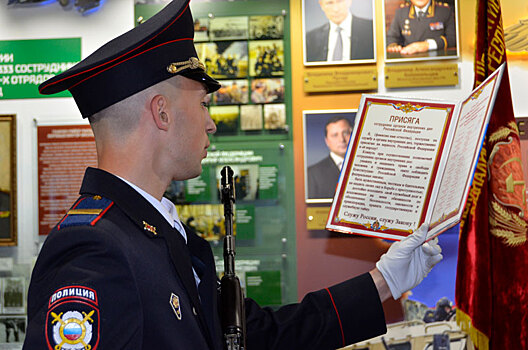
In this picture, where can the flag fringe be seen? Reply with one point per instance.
(479, 339)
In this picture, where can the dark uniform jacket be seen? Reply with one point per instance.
(113, 274)
(438, 24)
(322, 179)
(361, 46)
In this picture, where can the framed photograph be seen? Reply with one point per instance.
(267, 90)
(246, 179)
(228, 28)
(232, 92)
(13, 295)
(12, 331)
(338, 32)
(326, 136)
(266, 27)
(8, 181)
(201, 29)
(275, 116)
(251, 117)
(225, 118)
(266, 58)
(224, 59)
(206, 219)
(414, 31)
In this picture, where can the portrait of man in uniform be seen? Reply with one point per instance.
(338, 31)
(326, 137)
(420, 29)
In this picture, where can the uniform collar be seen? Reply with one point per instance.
(428, 9)
(138, 209)
(165, 207)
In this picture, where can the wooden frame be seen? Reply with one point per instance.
(8, 181)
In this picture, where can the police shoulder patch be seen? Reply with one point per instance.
(72, 321)
(86, 211)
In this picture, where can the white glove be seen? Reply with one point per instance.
(408, 261)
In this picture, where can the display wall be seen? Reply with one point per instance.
(307, 258)
(324, 257)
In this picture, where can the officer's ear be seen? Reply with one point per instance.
(158, 111)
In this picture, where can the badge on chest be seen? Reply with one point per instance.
(175, 304)
(436, 26)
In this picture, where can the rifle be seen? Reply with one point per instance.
(232, 301)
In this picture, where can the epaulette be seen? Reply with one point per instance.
(405, 4)
(443, 4)
(86, 211)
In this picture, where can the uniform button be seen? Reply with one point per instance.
(194, 312)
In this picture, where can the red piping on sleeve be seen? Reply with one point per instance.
(337, 313)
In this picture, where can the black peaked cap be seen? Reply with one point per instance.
(156, 50)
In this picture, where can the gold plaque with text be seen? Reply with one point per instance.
(420, 75)
(316, 217)
(326, 79)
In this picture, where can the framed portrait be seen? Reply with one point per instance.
(338, 32)
(417, 30)
(326, 136)
(8, 183)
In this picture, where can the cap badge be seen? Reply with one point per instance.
(191, 63)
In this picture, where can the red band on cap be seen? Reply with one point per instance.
(117, 58)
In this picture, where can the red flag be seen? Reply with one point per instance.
(492, 273)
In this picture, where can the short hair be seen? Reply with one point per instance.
(335, 119)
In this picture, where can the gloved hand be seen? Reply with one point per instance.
(408, 261)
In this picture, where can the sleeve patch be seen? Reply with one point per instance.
(87, 211)
(72, 321)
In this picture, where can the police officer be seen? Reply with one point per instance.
(120, 270)
(421, 26)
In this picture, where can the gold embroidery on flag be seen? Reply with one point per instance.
(507, 207)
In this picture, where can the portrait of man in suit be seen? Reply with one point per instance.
(338, 31)
(326, 140)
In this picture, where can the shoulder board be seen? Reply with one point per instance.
(444, 4)
(86, 211)
(405, 4)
